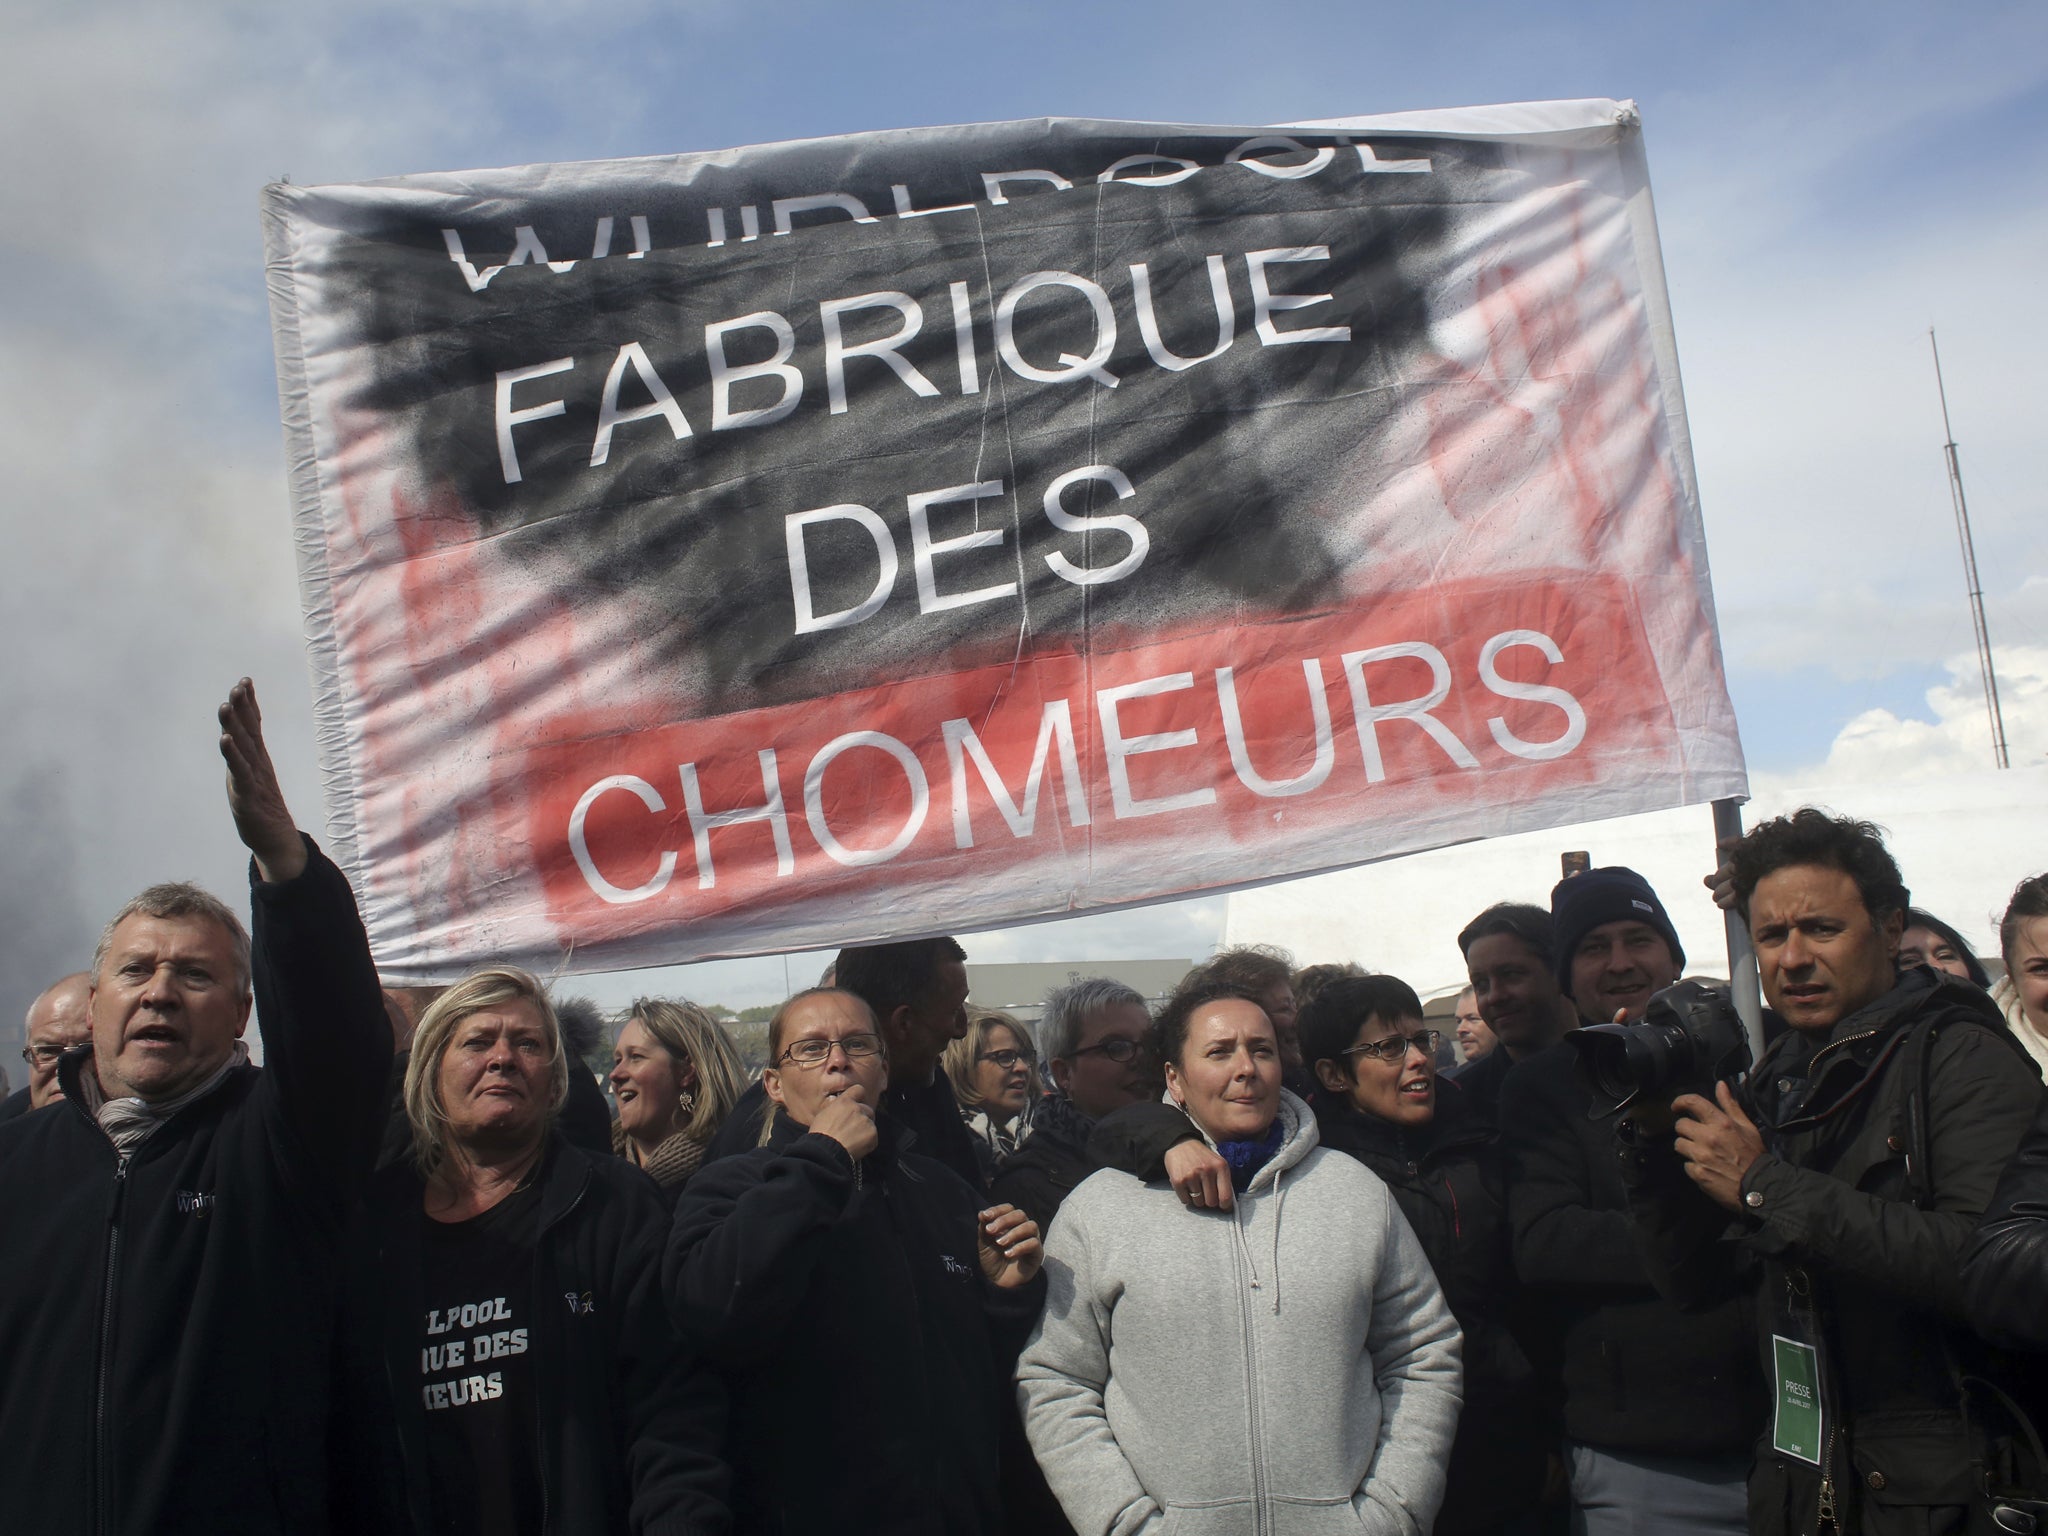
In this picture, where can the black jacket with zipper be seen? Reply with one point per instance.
(865, 1353)
(167, 1325)
(631, 1431)
(1450, 1181)
(1842, 1242)
(1636, 1374)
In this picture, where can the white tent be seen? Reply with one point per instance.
(1962, 841)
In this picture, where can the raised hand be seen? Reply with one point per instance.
(1008, 1246)
(254, 798)
(1722, 881)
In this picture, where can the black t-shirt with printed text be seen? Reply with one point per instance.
(476, 1375)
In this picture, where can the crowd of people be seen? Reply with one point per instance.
(1270, 1254)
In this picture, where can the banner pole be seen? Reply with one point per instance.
(1743, 982)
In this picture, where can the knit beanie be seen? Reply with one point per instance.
(1581, 903)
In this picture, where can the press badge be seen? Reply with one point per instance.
(1796, 1431)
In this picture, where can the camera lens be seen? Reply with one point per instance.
(1614, 1059)
(1625, 1061)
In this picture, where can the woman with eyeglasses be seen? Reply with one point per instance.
(860, 1303)
(1384, 1104)
(994, 1073)
(1286, 1364)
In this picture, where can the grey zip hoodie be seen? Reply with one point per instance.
(1286, 1367)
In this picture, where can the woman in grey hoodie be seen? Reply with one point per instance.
(1287, 1365)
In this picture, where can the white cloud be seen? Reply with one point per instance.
(1879, 746)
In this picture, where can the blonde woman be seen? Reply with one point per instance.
(675, 1077)
(994, 1072)
(535, 1379)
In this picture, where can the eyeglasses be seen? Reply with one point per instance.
(815, 1053)
(43, 1055)
(1394, 1047)
(1004, 1059)
(1117, 1048)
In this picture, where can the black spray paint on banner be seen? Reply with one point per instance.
(917, 393)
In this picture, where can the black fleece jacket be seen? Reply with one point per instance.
(167, 1324)
(865, 1353)
(631, 1429)
(1636, 1373)
(1038, 1176)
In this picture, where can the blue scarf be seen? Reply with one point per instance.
(1246, 1157)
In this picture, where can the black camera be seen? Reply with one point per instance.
(1690, 1038)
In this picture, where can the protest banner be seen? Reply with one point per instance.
(920, 531)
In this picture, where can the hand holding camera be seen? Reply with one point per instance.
(1718, 1143)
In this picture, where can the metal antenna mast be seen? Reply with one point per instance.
(1962, 507)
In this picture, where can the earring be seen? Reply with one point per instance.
(687, 1099)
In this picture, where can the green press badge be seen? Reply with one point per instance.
(1796, 1430)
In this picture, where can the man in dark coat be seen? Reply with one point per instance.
(1511, 956)
(174, 1229)
(1853, 1163)
(1660, 1407)
(57, 1020)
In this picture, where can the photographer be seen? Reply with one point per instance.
(1854, 1160)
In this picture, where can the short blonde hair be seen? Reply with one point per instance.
(488, 988)
(692, 1036)
(964, 1054)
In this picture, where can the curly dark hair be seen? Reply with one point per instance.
(1519, 920)
(1329, 1024)
(1170, 1028)
(1812, 836)
(2029, 900)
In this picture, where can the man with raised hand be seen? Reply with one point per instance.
(174, 1227)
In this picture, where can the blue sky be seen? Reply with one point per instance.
(1831, 180)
